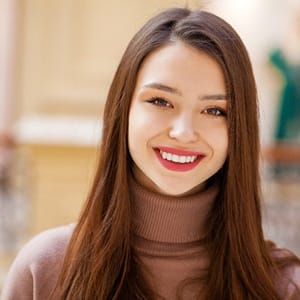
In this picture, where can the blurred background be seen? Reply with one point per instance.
(57, 58)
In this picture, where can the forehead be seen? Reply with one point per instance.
(181, 65)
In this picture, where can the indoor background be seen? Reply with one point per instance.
(57, 58)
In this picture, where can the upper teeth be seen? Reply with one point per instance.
(178, 158)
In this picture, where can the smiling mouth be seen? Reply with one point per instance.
(182, 159)
(178, 160)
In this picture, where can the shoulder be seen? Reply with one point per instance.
(291, 278)
(289, 265)
(37, 265)
(49, 244)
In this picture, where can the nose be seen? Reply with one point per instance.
(183, 130)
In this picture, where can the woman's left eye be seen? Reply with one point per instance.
(215, 111)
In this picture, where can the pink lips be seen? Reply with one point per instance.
(179, 167)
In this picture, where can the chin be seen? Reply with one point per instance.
(180, 192)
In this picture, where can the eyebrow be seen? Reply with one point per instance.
(162, 87)
(166, 88)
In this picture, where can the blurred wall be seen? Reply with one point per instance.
(68, 52)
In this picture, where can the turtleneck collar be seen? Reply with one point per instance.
(170, 219)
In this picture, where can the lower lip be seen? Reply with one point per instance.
(178, 167)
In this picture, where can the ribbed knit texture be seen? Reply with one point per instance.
(169, 237)
(170, 219)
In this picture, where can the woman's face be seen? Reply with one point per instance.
(177, 131)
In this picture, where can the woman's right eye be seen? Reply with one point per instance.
(159, 102)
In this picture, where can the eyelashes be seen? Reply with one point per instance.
(158, 101)
(214, 110)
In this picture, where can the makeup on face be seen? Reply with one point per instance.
(178, 160)
(177, 134)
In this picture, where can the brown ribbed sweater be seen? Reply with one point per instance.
(168, 239)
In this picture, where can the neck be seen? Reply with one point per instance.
(171, 219)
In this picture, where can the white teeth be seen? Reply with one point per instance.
(175, 158)
(178, 158)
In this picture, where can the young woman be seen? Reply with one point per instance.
(174, 212)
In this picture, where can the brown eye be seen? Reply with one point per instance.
(159, 102)
(215, 111)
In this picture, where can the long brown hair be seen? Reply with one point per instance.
(100, 262)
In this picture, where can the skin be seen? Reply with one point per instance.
(179, 102)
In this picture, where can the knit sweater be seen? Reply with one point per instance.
(168, 239)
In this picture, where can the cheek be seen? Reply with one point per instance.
(217, 138)
(144, 123)
(136, 117)
(141, 127)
